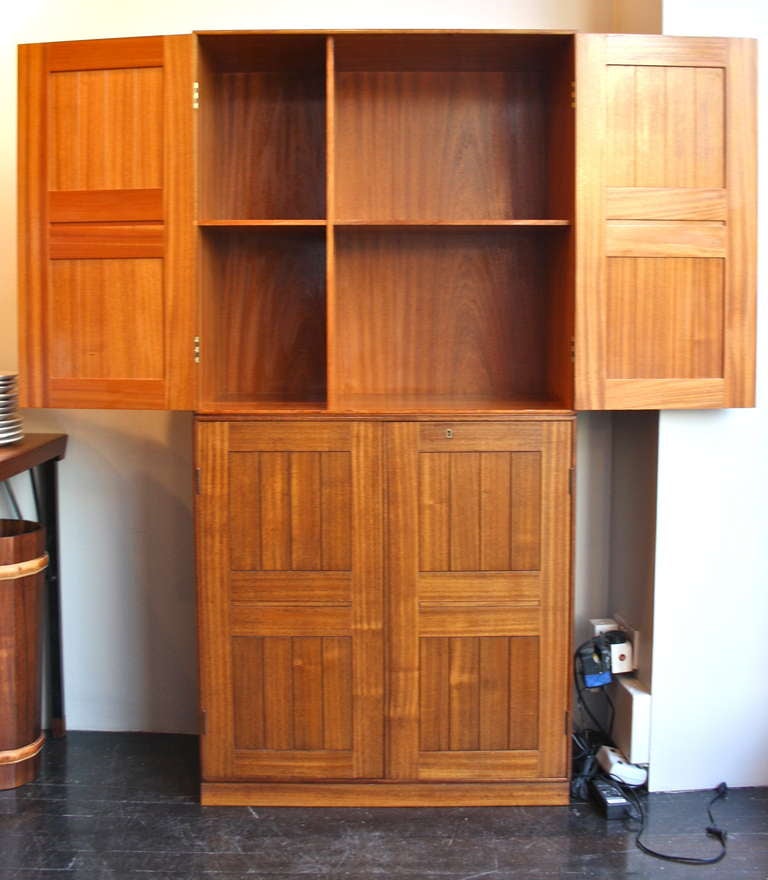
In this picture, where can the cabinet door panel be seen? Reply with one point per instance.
(665, 313)
(290, 533)
(107, 313)
(479, 693)
(479, 600)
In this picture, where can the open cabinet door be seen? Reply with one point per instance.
(106, 266)
(665, 295)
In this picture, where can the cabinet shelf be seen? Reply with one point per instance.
(434, 404)
(231, 223)
(279, 404)
(475, 132)
(454, 317)
(264, 302)
(386, 222)
(393, 224)
(462, 223)
(262, 125)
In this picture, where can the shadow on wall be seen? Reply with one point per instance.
(127, 567)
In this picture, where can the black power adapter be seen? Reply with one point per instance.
(609, 798)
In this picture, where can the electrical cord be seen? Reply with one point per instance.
(584, 764)
(712, 830)
(578, 681)
(587, 744)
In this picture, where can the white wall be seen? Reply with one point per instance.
(710, 712)
(127, 574)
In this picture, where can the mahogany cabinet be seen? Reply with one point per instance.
(388, 222)
(385, 268)
(384, 610)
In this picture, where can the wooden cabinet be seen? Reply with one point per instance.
(384, 610)
(393, 222)
(385, 267)
(402, 203)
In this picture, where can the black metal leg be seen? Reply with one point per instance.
(45, 489)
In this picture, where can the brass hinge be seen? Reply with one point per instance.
(573, 95)
(196, 349)
(203, 722)
(572, 481)
(195, 95)
(573, 349)
(197, 481)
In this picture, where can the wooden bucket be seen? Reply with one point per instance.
(23, 561)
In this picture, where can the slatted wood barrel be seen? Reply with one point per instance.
(22, 565)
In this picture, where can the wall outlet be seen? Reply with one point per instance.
(602, 624)
(633, 636)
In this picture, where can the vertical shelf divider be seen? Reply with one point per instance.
(330, 208)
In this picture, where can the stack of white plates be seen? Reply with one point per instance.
(10, 420)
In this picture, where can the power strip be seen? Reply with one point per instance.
(608, 798)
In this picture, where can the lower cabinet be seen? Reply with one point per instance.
(384, 611)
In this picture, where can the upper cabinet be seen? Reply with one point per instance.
(388, 222)
(385, 222)
(666, 213)
(106, 235)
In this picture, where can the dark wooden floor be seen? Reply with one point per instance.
(124, 805)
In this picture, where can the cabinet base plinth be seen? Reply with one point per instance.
(372, 794)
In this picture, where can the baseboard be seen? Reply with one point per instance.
(385, 794)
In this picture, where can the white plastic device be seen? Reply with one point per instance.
(614, 764)
(621, 657)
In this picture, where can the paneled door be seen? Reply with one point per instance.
(106, 233)
(665, 293)
(479, 600)
(290, 554)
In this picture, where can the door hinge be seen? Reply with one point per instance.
(195, 95)
(567, 723)
(203, 722)
(196, 349)
(572, 481)
(573, 95)
(197, 481)
(573, 349)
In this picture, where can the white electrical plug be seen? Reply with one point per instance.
(614, 764)
(621, 657)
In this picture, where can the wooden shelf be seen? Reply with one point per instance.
(410, 404)
(393, 224)
(472, 128)
(247, 402)
(262, 146)
(263, 315)
(386, 221)
(244, 223)
(448, 313)
(467, 224)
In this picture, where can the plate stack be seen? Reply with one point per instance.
(10, 420)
